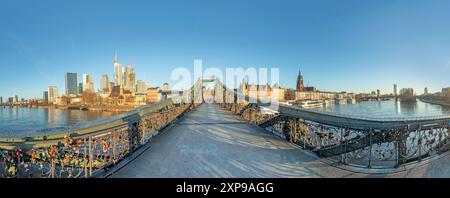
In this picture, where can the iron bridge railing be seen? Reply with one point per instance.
(89, 149)
(351, 140)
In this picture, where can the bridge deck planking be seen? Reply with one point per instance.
(211, 142)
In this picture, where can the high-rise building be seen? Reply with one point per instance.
(395, 90)
(104, 83)
(118, 71)
(166, 93)
(300, 85)
(87, 78)
(90, 87)
(446, 92)
(71, 84)
(129, 78)
(80, 88)
(88, 83)
(166, 87)
(407, 95)
(141, 87)
(425, 91)
(52, 94)
(1, 100)
(16, 99)
(45, 97)
(153, 95)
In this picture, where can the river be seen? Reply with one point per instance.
(388, 109)
(22, 122)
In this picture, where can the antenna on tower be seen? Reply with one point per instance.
(115, 55)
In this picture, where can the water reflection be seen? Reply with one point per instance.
(388, 109)
(22, 121)
(397, 107)
(410, 108)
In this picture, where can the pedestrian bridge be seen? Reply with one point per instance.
(213, 142)
(233, 139)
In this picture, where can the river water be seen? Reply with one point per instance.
(387, 109)
(22, 122)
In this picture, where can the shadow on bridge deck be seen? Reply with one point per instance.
(211, 142)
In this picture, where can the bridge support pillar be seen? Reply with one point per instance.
(285, 129)
(250, 113)
(447, 132)
(401, 147)
(290, 129)
(300, 131)
(341, 140)
(370, 148)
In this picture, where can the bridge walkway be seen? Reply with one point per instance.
(212, 142)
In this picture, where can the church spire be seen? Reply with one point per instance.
(300, 85)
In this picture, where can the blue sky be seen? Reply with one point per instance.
(345, 45)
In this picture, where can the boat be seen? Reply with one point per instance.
(73, 108)
(311, 104)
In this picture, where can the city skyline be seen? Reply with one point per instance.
(399, 43)
(224, 89)
(103, 81)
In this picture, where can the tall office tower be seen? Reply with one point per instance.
(71, 84)
(52, 94)
(129, 78)
(90, 87)
(104, 83)
(80, 88)
(1, 100)
(118, 71)
(45, 97)
(425, 91)
(300, 85)
(87, 78)
(88, 83)
(16, 98)
(395, 90)
(141, 87)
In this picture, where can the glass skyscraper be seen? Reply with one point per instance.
(71, 84)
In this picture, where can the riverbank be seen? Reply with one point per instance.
(435, 102)
(95, 108)
(99, 108)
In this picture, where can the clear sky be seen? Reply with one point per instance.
(345, 45)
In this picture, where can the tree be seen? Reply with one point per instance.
(87, 97)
